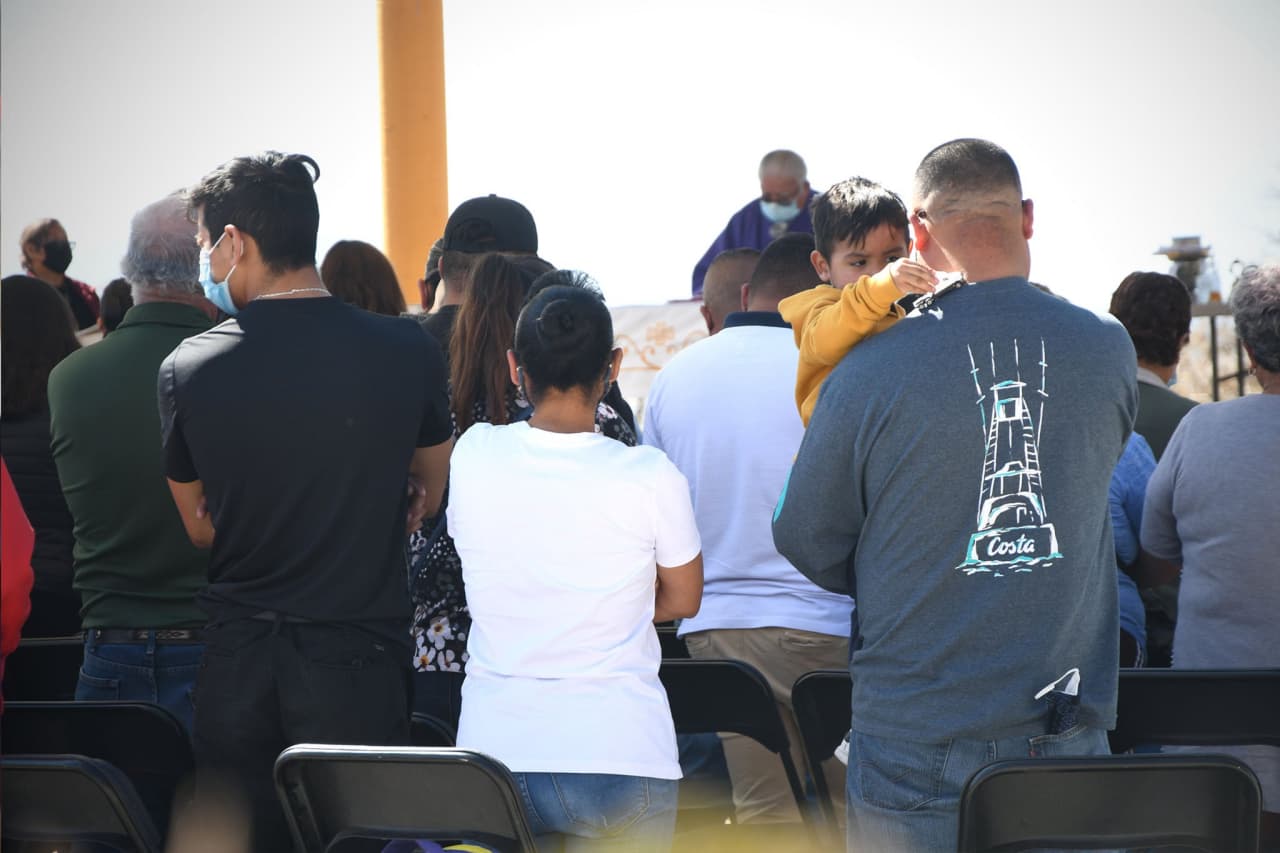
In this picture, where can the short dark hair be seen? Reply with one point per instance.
(851, 210)
(117, 299)
(564, 339)
(432, 272)
(36, 332)
(360, 275)
(784, 268)
(1155, 310)
(269, 196)
(964, 166)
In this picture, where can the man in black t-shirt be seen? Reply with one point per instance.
(300, 437)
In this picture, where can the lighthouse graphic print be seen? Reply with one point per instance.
(1012, 531)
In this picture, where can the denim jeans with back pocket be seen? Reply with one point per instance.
(599, 811)
(905, 795)
(147, 671)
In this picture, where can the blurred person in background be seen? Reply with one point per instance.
(46, 254)
(360, 275)
(1155, 310)
(37, 333)
(117, 299)
(783, 207)
(1210, 517)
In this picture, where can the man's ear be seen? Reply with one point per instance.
(427, 293)
(820, 266)
(1028, 218)
(707, 318)
(746, 294)
(513, 367)
(921, 232)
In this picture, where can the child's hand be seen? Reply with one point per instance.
(912, 276)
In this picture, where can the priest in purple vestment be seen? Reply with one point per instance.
(783, 207)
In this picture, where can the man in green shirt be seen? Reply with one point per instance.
(135, 569)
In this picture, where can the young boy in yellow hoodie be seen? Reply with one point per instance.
(862, 242)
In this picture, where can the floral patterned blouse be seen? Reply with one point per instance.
(441, 620)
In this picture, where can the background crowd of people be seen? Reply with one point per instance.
(287, 510)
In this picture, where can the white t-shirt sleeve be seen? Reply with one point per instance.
(676, 530)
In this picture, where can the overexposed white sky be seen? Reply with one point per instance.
(633, 131)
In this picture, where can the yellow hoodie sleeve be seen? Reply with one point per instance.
(828, 323)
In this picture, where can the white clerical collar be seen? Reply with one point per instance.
(1149, 377)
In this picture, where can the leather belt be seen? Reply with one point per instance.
(142, 635)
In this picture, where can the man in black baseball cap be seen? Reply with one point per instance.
(479, 225)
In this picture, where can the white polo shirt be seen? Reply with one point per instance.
(560, 536)
(724, 411)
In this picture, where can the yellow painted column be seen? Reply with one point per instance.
(415, 173)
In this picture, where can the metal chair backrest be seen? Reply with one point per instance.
(334, 793)
(1187, 707)
(1208, 802)
(729, 696)
(72, 799)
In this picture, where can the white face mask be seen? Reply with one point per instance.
(778, 212)
(1173, 378)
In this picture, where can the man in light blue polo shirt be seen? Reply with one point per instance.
(724, 411)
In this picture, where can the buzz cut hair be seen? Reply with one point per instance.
(784, 162)
(851, 210)
(965, 167)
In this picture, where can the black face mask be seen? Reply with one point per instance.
(57, 255)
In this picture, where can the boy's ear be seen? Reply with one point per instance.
(820, 265)
(746, 294)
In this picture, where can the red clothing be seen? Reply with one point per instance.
(16, 541)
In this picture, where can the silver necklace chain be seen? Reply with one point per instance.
(289, 292)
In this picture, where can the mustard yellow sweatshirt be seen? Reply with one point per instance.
(828, 322)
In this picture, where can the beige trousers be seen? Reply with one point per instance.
(760, 790)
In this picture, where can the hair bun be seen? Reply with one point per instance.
(560, 327)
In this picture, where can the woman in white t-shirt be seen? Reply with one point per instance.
(572, 545)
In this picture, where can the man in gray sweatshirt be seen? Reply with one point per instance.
(954, 477)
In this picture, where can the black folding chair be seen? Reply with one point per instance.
(729, 696)
(333, 794)
(1188, 707)
(44, 669)
(673, 647)
(142, 740)
(820, 700)
(426, 730)
(1207, 802)
(69, 799)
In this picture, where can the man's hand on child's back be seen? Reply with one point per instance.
(911, 276)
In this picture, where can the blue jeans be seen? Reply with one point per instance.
(149, 671)
(905, 795)
(599, 811)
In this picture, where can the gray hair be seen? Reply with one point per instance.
(163, 258)
(784, 162)
(1255, 301)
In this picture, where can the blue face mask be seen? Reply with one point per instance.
(217, 292)
(777, 212)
